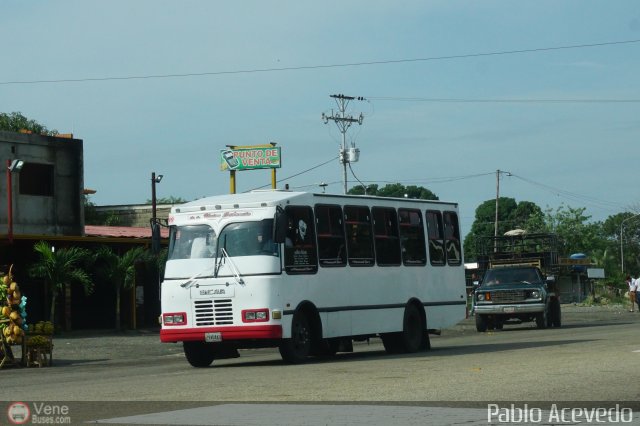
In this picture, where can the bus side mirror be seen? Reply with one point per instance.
(281, 224)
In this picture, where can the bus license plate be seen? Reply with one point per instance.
(509, 309)
(213, 337)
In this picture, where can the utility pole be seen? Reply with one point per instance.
(495, 226)
(344, 121)
(495, 230)
(621, 234)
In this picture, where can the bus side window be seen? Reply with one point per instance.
(330, 230)
(357, 220)
(300, 255)
(452, 238)
(387, 240)
(436, 237)
(414, 252)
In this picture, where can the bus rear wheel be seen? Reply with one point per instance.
(296, 349)
(198, 354)
(413, 336)
(413, 330)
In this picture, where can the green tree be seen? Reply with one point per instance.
(524, 215)
(58, 268)
(624, 225)
(485, 219)
(574, 230)
(395, 190)
(15, 122)
(118, 270)
(371, 189)
(168, 200)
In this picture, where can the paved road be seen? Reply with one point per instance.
(587, 361)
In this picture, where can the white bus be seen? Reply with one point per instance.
(309, 273)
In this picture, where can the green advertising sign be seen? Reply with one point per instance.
(250, 158)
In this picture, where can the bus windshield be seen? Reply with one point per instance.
(249, 239)
(192, 242)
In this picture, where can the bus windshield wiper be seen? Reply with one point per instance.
(194, 279)
(234, 268)
(219, 259)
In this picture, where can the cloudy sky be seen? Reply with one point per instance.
(454, 90)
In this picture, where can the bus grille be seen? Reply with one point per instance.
(508, 296)
(213, 312)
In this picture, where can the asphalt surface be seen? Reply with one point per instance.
(366, 387)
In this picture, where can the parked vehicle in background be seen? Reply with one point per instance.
(519, 283)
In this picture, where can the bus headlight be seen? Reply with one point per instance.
(174, 318)
(255, 315)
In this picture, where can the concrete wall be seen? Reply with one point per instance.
(133, 215)
(60, 210)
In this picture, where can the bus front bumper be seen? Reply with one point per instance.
(251, 332)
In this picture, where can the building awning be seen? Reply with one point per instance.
(121, 232)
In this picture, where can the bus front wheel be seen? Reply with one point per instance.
(198, 354)
(296, 349)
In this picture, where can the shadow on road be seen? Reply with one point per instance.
(373, 355)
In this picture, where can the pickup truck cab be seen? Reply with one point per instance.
(515, 294)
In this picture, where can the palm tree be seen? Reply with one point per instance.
(59, 268)
(119, 270)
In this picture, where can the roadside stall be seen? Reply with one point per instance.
(12, 317)
(35, 341)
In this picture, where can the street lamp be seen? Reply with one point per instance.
(13, 166)
(154, 179)
(621, 249)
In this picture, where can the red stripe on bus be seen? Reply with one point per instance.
(228, 333)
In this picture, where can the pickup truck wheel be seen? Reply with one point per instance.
(556, 314)
(481, 323)
(498, 323)
(541, 319)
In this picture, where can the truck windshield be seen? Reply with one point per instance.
(192, 242)
(249, 239)
(511, 275)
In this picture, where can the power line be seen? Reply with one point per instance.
(607, 205)
(431, 180)
(506, 101)
(297, 174)
(314, 67)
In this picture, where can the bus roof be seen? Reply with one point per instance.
(265, 198)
